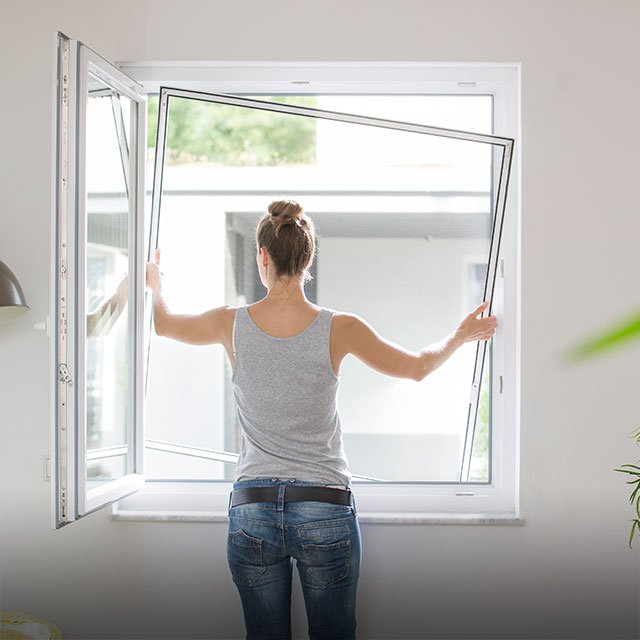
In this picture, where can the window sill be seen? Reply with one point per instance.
(131, 515)
(399, 504)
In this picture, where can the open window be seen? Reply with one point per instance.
(99, 286)
(409, 218)
(409, 205)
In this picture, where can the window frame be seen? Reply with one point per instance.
(71, 499)
(493, 502)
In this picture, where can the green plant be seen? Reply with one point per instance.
(622, 333)
(616, 336)
(633, 470)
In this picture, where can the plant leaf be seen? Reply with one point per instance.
(615, 336)
(633, 530)
(633, 466)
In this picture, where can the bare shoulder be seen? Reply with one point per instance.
(223, 318)
(344, 331)
(347, 326)
(346, 320)
(228, 312)
(222, 314)
(210, 327)
(353, 334)
(350, 333)
(226, 315)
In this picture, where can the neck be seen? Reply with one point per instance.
(286, 290)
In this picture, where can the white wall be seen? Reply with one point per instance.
(567, 572)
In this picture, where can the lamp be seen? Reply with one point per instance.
(12, 302)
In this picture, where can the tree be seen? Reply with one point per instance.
(229, 135)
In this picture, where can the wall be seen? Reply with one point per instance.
(567, 572)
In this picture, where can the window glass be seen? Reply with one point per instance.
(107, 261)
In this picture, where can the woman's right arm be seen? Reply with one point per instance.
(211, 327)
(354, 335)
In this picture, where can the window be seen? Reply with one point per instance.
(423, 201)
(97, 302)
(400, 211)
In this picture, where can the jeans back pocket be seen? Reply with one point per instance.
(327, 552)
(244, 554)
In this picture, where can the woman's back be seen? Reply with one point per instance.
(286, 391)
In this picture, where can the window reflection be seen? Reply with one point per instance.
(108, 117)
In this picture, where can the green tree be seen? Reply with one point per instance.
(479, 471)
(229, 135)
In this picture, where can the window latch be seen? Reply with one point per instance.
(65, 376)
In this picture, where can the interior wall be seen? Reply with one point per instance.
(567, 572)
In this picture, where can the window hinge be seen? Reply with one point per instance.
(65, 376)
(502, 268)
(501, 383)
(63, 505)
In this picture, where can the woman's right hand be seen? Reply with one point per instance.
(473, 328)
(153, 274)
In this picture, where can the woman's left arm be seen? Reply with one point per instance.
(356, 336)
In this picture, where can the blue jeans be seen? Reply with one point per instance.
(324, 539)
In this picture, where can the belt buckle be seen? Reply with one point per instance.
(230, 497)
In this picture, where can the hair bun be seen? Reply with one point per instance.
(285, 209)
(285, 212)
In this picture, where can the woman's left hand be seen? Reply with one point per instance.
(153, 273)
(473, 328)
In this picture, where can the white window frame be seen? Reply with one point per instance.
(71, 498)
(496, 502)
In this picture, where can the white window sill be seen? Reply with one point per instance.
(208, 502)
(130, 515)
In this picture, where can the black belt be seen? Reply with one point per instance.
(291, 494)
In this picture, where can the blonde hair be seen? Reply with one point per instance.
(289, 236)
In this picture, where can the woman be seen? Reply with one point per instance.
(292, 492)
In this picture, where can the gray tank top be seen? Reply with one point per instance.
(286, 398)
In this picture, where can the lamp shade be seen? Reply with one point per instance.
(12, 302)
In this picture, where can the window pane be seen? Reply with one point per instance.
(402, 217)
(479, 471)
(164, 465)
(99, 471)
(109, 243)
